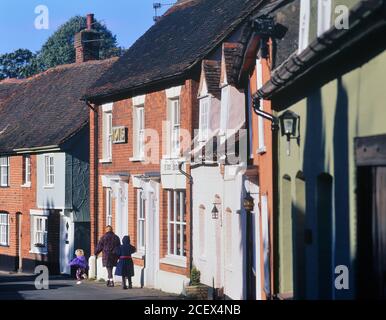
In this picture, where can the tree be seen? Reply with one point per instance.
(18, 64)
(59, 48)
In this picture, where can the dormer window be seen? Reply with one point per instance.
(304, 24)
(224, 109)
(204, 119)
(324, 16)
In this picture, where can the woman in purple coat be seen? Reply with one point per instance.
(125, 267)
(109, 245)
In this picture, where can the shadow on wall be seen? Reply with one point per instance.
(325, 248)
(341, 187)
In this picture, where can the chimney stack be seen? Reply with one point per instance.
(90, 21)
(86, 42)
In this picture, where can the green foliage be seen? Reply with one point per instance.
(59, 49)
(18, 64)
(195, 276)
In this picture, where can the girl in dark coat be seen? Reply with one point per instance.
(108, 245)
(125, 267)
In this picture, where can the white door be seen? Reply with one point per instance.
(151, 225)
(66, 246)
(122, 212)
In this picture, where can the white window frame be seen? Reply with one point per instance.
(324, 16)
(261, 148)
(141, 221)
(4, 172)
(175, 222)
(39, 234)
(107, 135)
(4, 229)
(49, 170)
(204, 121)
(225, 102)
(109, 206)
(175, 126)
(27, 170)
(139, 132)
(304, 24)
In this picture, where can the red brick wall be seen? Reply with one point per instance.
(15, 200)
(155, 113)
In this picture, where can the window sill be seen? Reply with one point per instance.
(138, 255)
(105, 160)
(137, 159)
(49, 187)
(26, 185)
(4, 187)
(4, 245)
(174, 261)
(44, 253)
(261, 150)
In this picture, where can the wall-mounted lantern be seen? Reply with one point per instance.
(289, 127)
(249, 202)
(214, 212)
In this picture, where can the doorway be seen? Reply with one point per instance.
(66, 248)
(370, 155)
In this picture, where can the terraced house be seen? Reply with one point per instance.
(330, 152)
(44, 156)
(144, 111)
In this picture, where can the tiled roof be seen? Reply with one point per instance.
(47, 109)
(180, 40)
(8, 87)
(212, 72)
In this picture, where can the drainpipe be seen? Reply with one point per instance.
(190, 178)
(256, 105)
(94, 167)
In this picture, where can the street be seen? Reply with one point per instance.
(22, 287)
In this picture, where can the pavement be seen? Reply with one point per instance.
(22, 287)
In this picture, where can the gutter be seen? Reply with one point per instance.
(37, 149)
(325, 47)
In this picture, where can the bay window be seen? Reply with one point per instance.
(176, 223)
(109, 207)
(39, 226)
(141, 216)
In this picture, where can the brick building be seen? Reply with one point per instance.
(143, 114)
(44, 156)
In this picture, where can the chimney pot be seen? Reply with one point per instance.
(90, 21)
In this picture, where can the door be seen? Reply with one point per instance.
(121, 209)
(151, 225)
(370, 153)
(66, 246)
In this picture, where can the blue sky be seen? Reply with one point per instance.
(127, 19)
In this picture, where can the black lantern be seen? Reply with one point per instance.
(288, 126)
(249, 202)
(214, 212)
